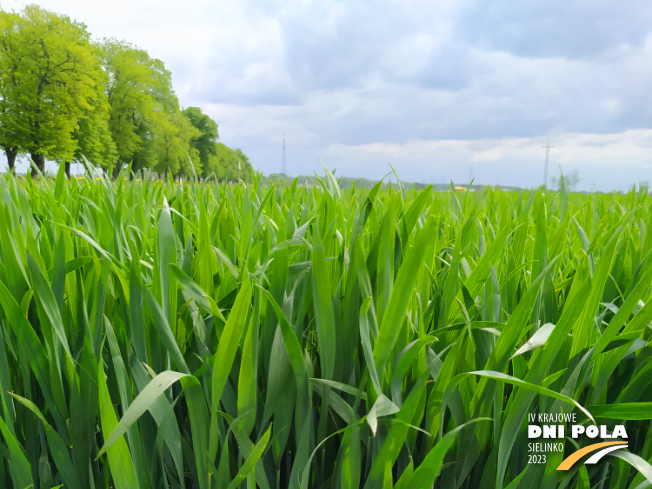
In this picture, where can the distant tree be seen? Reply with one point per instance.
(131, 91)
(216, 158)
(172, 146)
(205, 143)
(190, 163)
(51, 78)
(245, 168)
(243, 158)
(128, 96)
(146, 123)
(229, 164)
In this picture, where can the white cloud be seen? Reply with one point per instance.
(624, 157)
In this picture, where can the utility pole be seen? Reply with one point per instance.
(283, 162)
(545, 166)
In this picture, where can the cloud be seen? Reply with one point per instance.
(439, 85)
(513, 161)
(564, 28)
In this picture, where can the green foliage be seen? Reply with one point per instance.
(229, 164)
(50, 78)
(204, 143)
(217, 159)
(145, 122)
(10, 24)
(172, 145)
(155, 334)
(94, 141)
(64, 98)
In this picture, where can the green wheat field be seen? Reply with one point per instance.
(203, 335)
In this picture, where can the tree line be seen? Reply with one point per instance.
(65, 97)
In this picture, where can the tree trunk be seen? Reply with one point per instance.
(39, 161)
(11, 158)
(116, 171)
(133, 168)
(67, 167)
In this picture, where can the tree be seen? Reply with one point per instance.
(144, 111)
(243, 158)
(216, 158)
(9, 61)
(93, 137)
(129, 97)
(229, 164)
(65, 98)
(194, 160)
(172, 145)
(189, 160)
(205, 143)
(51, 79)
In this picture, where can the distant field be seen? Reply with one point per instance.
(161, 334)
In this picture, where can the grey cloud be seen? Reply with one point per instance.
(537, 28)
(270, 93)
(362, 74)
(334, 50)
(332, 74)
(452, 68)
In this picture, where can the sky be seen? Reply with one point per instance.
(443, 90)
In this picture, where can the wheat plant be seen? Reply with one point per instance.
(200, 335)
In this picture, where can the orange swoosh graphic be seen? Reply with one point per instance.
(571, 459)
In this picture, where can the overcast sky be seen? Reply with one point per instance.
(439, 89)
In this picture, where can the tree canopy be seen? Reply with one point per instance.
(64, 97)
(216, 159)
(205, 143)
(52, 79)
